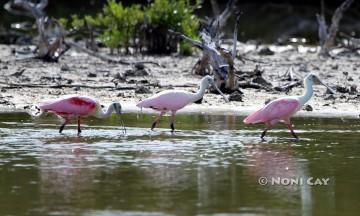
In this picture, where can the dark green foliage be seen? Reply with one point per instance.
(170, 14)
(119, 23)
(137, 26)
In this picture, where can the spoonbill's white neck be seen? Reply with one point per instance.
(308, 93)
(102, 114)
(200, 93)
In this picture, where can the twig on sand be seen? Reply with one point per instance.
(105, 57)
(286, 88)
(242, 58)
(32, 85)
(38, 85)
(291, 75)
(249, 84)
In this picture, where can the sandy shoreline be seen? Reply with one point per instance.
(223, 110)
(80, 69)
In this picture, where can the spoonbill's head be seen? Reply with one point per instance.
(117, 108)
(208, 81)
(312, 78)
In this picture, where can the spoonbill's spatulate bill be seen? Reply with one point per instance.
(174, 100)
(282, 109)
(72, 106)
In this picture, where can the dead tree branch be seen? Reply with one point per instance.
(235, 36)
(216, 60)
(327, 35)
(220, 20)
(286, 88)
(196, 43)
(220, 59)
(215, 7)
(51, 33)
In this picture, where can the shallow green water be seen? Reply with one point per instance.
(210, 166)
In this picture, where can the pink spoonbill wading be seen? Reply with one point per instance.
(75, 107)
(174, 100)
(282, 109)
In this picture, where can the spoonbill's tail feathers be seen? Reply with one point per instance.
(253, 118)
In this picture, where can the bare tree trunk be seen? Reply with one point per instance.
(51, 33)
(327, 35)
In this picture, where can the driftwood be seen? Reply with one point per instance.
(50, 32)
(220, 59)
(327, 35)
(286, 88)
(294, 79)
(253, 85)
(245, 75)
(202, 66)
(291, 75)
(253, 79)
(211, 53)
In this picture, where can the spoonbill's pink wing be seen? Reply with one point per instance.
(276, 110)
(70, 105)
(167, 100)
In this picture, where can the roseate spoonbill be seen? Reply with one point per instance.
(72, 106)
(282, 109)
(174, 100)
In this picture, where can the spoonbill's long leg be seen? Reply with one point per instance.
(289, 125)
(172, 121)
(157, 120)
(63, 125)
(269, 126)
(78, 125)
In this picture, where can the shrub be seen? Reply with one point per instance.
(171, 14)
(174, 14)
(118, 25)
